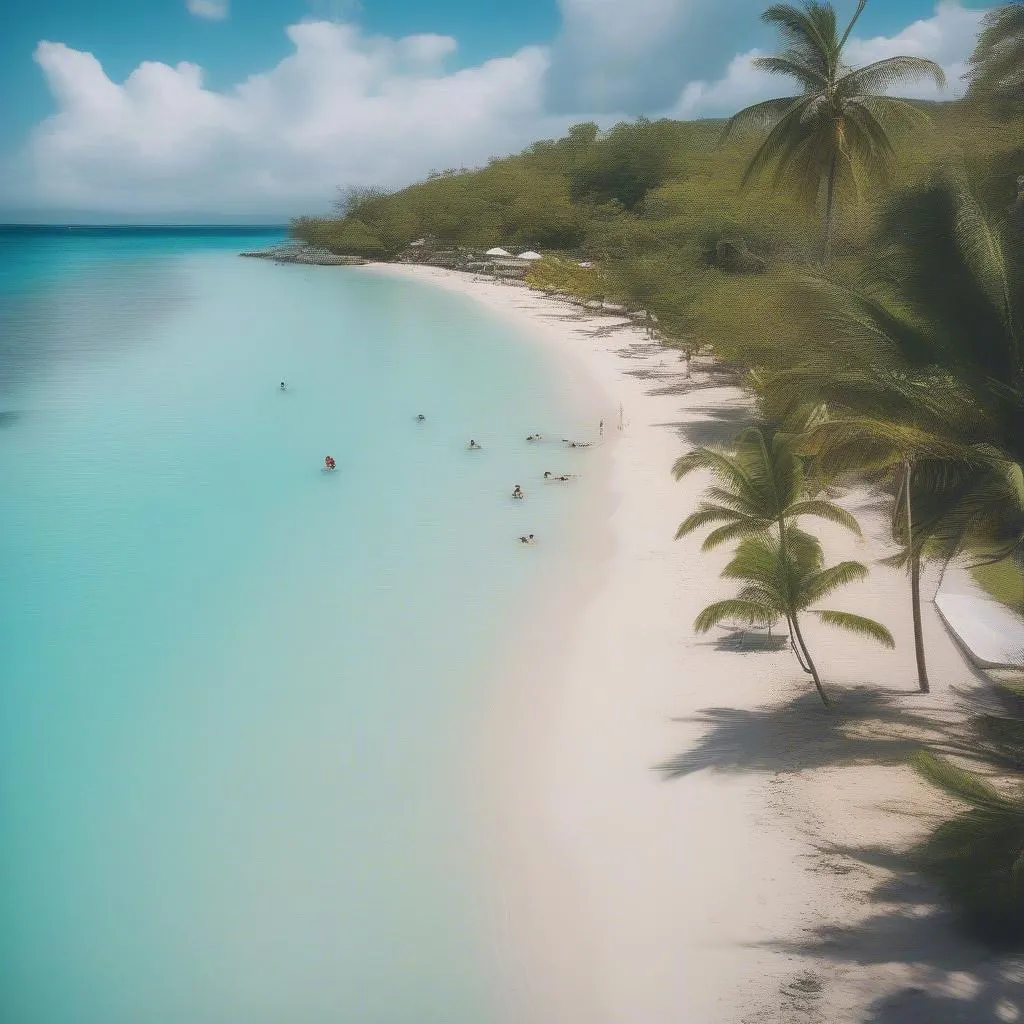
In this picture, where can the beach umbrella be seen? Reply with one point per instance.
(497, 251)
(529, 255)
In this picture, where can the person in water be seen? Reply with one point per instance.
(527, 540)
(421, 417)
(473, 446)
(283, 388)
(535, 437)
(550, 476)
(517, 492)
(329, 463)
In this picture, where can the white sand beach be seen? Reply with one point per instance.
(681, 833)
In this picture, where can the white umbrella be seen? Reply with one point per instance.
(529, 255)
(497, 251)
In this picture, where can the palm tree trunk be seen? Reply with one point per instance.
(915, 584)
(811, 667)
(830, 205)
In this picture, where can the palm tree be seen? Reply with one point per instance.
(763, 486)
(783, 577)
(839, 125)
(919, 374)
(945, 493)
(997, 65)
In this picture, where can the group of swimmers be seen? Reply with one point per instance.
(517, 492)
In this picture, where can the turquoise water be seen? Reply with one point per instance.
(236, 693)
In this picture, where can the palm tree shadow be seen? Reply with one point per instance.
(867, 726)
(966, 983)
(717, 425)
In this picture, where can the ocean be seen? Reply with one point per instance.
(237, 693)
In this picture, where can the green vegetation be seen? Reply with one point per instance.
(1003, 580)
(891, 353)
(997, 66)
(977, 855)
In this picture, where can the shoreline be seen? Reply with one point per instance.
(677, 828)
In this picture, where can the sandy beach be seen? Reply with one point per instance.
(681, 833)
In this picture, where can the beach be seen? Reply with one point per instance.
(676, 830)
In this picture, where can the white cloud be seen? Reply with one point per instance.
(947, 37)
(215, 10)
(637, 56)
(347, 108)
(343, 108)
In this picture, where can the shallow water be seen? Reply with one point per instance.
(236, 692)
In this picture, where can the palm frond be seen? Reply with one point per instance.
(828, 511)
(825, 581)
(857, 624)
(882, 75)
(809, 77)
(956, 782)
(732, 531)
(749, 612)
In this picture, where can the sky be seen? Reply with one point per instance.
(216, 109)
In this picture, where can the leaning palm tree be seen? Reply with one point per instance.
(840, 125)
(762, 487)
(997, 65)
(783, 577)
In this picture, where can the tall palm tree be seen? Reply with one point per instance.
(839, 125)
(762, 486)
(784, 575)
(997, 65)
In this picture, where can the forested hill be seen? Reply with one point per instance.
(652, 186)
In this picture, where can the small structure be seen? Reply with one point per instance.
(497, 251)
(586, 265)
(418, 243)
(529, 255)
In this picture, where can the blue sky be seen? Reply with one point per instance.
(562, 60)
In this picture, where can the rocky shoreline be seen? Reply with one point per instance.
(298, 252)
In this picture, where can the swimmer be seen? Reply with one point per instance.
(517, 492)
(600, 428)
(329, 464)
(577, 444)
(535, 437)
(563, 477)
(283, 388)
(421, 417)
(527, 540)
(473, 446)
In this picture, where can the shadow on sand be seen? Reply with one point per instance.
(948, 978)
(866, 726)
(966, 983)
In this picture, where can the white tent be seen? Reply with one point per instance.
(586, 266)
(529, 255)
(497, 251)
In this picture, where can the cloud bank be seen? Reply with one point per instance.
(348, 108)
